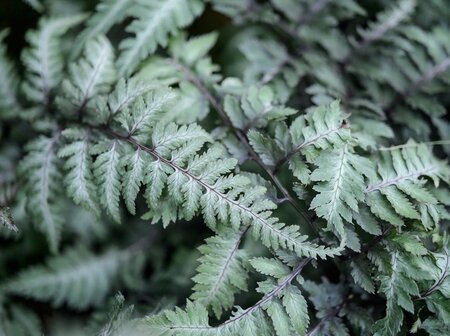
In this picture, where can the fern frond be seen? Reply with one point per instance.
(387, 20)
(296, 307)
(154, 22)
(400, 181)
(231, 8)
(222, 197)
(133, 176)
(19, 320)
(255, 109)
(269, 63)
(145, 112)
(321, 128)
(92, 75)
(40, 169)
(194, 320)
(280, 301)
(6, 219)
(362, 276)
(435, 326)
(123, 95)
(44, 57)
(79, 178)
(8, 80)
(108, 171)
(76, 278)
(398, 287)
(107, 13)
(329, 302)
(194, 49)
(119, 318)
(341, 188)
(222, 272)
(193, 181)
(35, 4)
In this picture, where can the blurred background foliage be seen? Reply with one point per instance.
(169, 258)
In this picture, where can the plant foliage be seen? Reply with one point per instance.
(225, 167)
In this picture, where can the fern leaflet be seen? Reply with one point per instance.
(155, 20)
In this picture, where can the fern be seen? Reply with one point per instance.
(222, 272)
(257, 137)
(193, 181)
(79, 178)
(220, 197)
(249, 321)
(76, 278)
(119, 318)
(92, 75)
(124, 94)
(6, 219)
(256, 109)
(8, 79)
(18, 320)
(398, 288)
(401, 173)
(42, 172)
(269, 63)
(344, 186)
(107, 14)
(320, 129)
(44, 59)
(154, 22)
(387, 21)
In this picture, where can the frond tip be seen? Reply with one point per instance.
(41, 170)
(222, 272)
(154, 21)
(76, 278)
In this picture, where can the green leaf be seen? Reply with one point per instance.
(91, 75)
(154, 22)
(256, 108)
(382, 209)
(179, 322)
(270, 266)
(400, 180)
(79, 178)
(279, 318)
(297, 309)
(44, 58)
(76, 278)
(119, 318)
(108, 172)
(342, 188)
(42, 173)
(6, 219)
(322, 128)
(221, 273)
(195, 48)
(410, 243)
(400, 203)
(145, 112)
(8, 80)
(387, 20)
(107, 13)
(390, 325)
(124, 94)
(361, 275)
(133, 177)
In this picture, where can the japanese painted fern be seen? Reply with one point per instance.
(232, 167)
